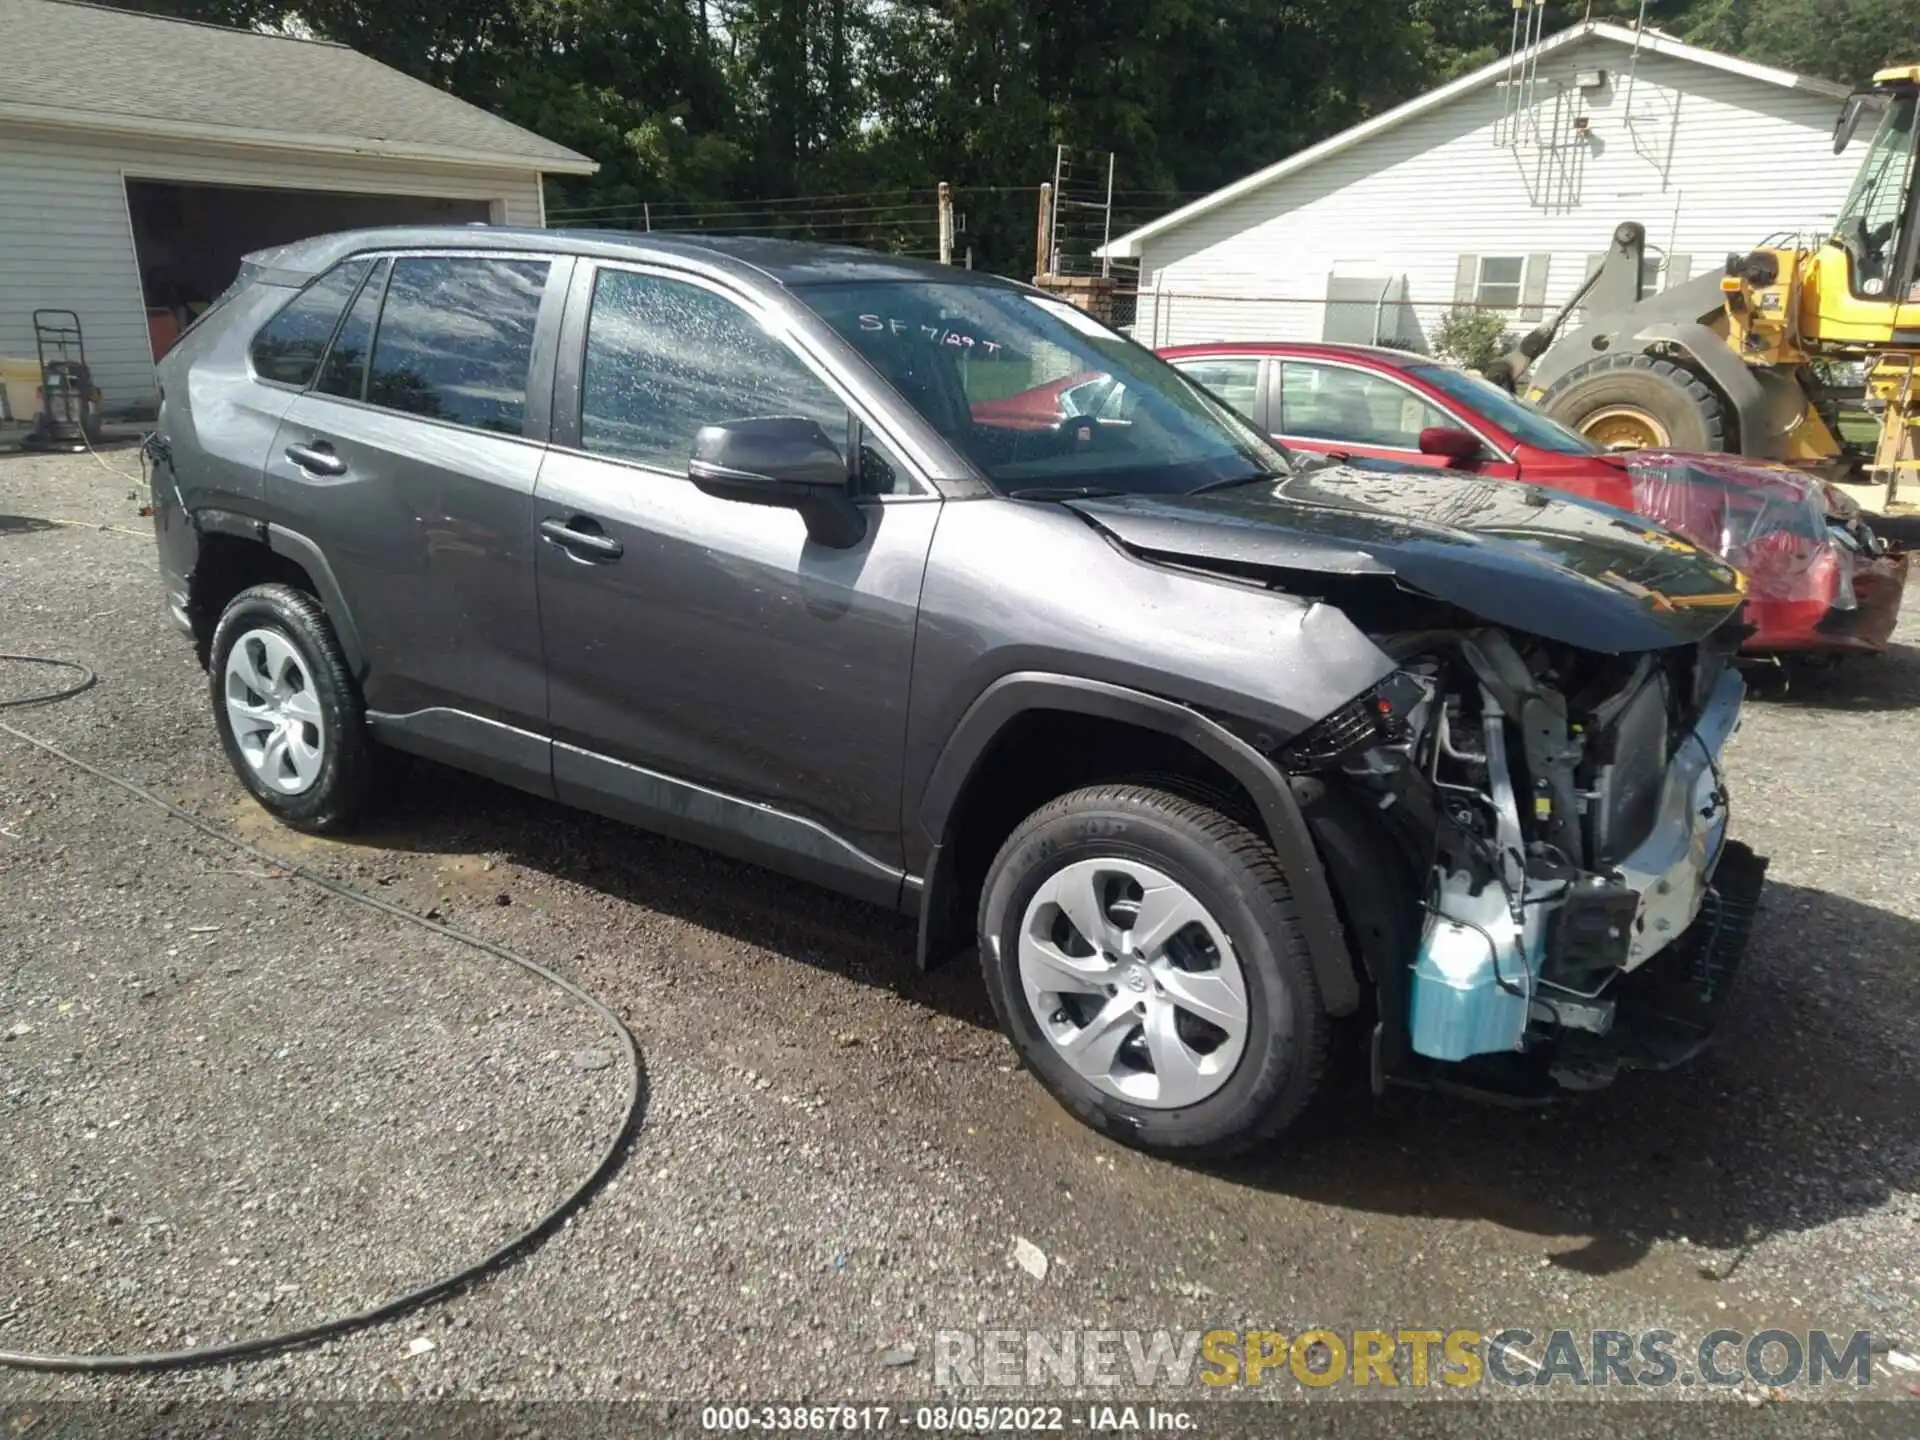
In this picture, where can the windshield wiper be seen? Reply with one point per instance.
(1236, 482)
(1065, 492)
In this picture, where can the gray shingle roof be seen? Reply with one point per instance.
(88, 64)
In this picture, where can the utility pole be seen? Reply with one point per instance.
(1043, 233)
(1106, 222)
(946, 223)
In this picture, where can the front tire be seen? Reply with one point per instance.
(1143, 955)
(288, 711)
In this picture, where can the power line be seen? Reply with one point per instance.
(776, 231)
(866, 226)
(900, 209)
(663, 207)
(766, 204)
(834, 201)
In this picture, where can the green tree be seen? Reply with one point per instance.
(748, 101)
(1455, 36)
(1844, 40)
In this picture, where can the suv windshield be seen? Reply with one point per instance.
(1521, 421)
(1039, 395)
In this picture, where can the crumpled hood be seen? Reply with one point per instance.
(1509, 553)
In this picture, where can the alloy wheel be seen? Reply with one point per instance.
(1133, 982)
(274, 712)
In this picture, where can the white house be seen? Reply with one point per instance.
(1499, 190)
(141, 157)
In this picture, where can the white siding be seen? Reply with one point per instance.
(66, 241)
(1713, 162)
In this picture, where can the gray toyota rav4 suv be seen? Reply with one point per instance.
(931, 588)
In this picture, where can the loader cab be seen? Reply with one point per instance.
(1876, 240)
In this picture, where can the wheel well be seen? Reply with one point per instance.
(1039, 756)
(226, 565)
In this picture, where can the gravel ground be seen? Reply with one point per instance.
(210, 1133)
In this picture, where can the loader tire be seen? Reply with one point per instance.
(1641, 402)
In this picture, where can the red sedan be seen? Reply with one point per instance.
(1819, 579)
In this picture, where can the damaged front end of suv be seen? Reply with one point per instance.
(1525, 821)
(1569, 821)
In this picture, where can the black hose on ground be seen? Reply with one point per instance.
(86, 681)
(635, 1103)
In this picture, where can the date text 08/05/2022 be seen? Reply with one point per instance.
(962, 1419)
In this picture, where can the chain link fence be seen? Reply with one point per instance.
(1392, 318)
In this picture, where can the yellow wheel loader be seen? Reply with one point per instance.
(1764, 358)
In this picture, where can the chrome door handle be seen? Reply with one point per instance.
(574, 537)
(317, 458)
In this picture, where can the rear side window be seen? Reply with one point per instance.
(455, 339)
(288, 348)
(344, 372)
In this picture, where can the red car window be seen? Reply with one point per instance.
(1357, 407)
(1234, 379)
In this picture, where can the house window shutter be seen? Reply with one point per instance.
(1533, 292)
(1679, 270)
(1466, 279)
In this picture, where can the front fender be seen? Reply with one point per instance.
(1017, 694)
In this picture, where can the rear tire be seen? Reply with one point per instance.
(1195, 925)
(289, 714)
(1643, 401)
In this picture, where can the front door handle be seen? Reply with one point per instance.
(582, 537)
(317, 458)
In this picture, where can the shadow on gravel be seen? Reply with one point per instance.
(437, 810)
(1805, 1112)
(12, 447)
(1857, 682)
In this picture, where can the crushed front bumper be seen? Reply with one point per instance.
(1670, 869)
(1663, 1014)
(1666, 1012)
(1481, 992)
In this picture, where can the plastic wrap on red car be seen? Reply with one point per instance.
(1768, 520)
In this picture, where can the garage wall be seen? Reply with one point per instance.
(65, 239)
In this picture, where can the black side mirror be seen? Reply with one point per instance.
(1859, 106)
(780, 460)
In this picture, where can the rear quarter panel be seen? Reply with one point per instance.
(217, 421)
(214, 432)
